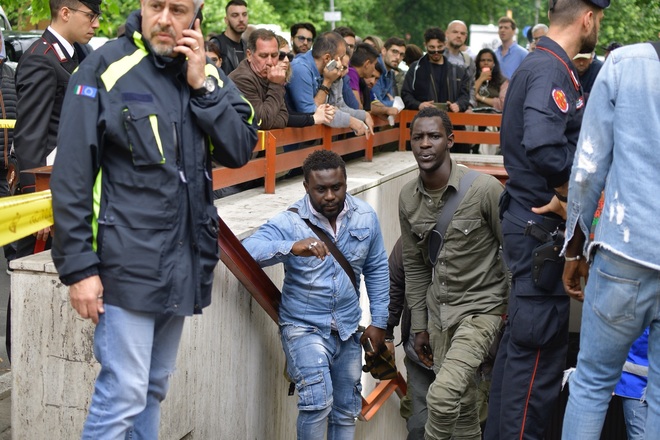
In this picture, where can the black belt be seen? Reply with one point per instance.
(520, 216)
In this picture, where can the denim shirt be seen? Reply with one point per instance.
(618, 152)
(385, 84)
(315, 291)
(304, 84)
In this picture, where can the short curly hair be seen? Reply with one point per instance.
(432, 112)
(322, 160)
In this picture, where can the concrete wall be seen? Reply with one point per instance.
(229, 382)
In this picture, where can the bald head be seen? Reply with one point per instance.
(457, 33)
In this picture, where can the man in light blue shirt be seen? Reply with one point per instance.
(320, 309)
(616, 156)
(314, 74)
(509, 53)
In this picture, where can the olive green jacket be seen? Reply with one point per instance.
(469, 277)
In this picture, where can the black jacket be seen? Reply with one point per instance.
(398, 308)
(132, 189)
(417, 86)
(42, 77)
(9, 101)
(230, 58)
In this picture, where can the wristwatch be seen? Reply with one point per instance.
(325, 89)
(208, 86)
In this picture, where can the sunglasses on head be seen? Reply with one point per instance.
(288, 55)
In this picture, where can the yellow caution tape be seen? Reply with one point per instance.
(7, 123)
(23, 215)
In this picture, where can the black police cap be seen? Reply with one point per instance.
(94, 5)
(600, 3)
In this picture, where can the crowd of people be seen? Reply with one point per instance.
(134, 127)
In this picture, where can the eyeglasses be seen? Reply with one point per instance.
(92, 16)
(302, 39)
(288, 55)
(434, 52)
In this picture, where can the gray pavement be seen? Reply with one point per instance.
(5, 376)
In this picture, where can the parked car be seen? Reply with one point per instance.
(16, 42)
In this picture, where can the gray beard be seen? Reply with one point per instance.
(163, 51)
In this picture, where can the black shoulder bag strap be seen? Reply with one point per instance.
(334, 250)
(437, 238)
(656, 46)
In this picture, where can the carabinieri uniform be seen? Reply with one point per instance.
(540, 127)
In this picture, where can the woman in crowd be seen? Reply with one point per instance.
(490, 85)
(213, 53)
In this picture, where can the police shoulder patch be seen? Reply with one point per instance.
(560, 99)
(88, 91)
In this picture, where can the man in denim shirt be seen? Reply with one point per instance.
(320, 309)
(616, 153)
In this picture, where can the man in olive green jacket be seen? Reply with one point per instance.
(457, 303)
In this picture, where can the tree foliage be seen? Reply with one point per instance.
(626, 21)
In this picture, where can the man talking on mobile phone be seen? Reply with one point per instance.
(132, 198)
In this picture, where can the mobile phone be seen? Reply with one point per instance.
(198, 14)
(368, 346)
(332, 65)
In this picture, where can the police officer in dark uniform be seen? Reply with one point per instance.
(540, 127)
(42, 77)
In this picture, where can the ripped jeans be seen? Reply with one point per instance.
(137, 352)
(327, 376)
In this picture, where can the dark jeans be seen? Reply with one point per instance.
(419, 380)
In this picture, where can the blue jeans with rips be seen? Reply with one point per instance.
(634, 413)
(137, 352)
(621, 299)
(327, 376)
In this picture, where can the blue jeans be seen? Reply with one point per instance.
(634, 413)
(137, 353)
(327, 376)
(621, 299)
